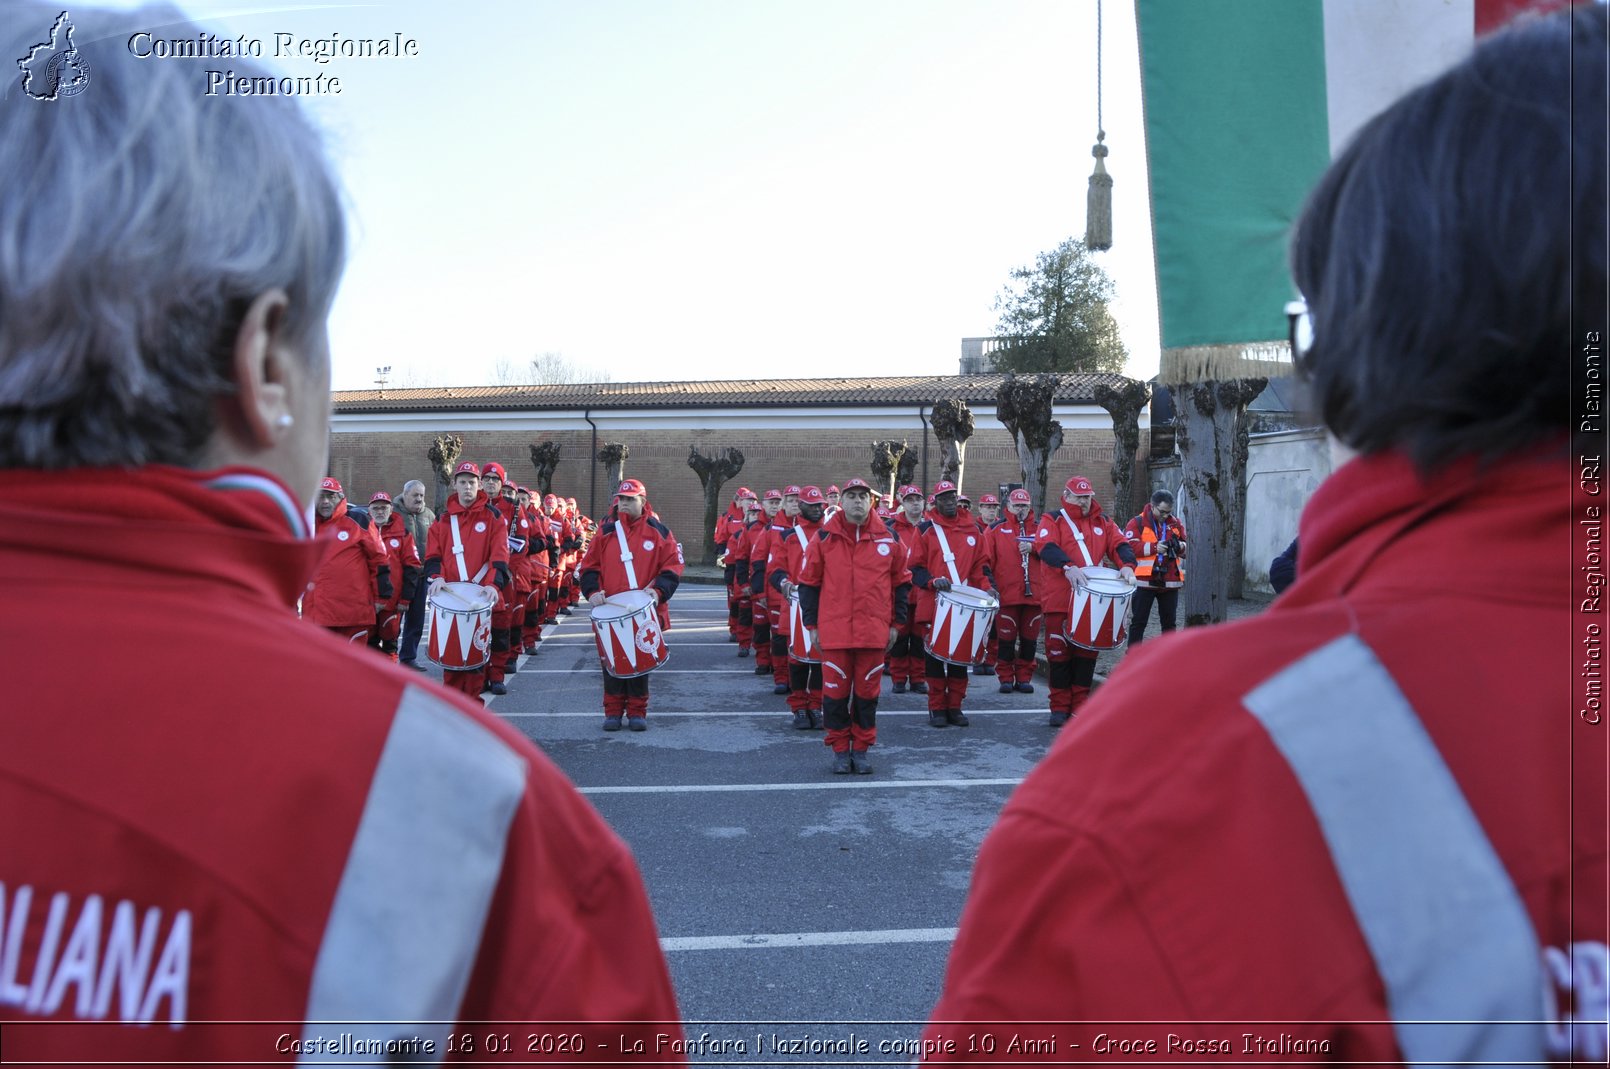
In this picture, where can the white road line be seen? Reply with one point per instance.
(774, 940)
(835, 785)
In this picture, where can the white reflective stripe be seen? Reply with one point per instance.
(1451, 939)
(626, 556)
(1079, 536)
(294, 518)
(458, 549)
(407, 919)
(950, 558)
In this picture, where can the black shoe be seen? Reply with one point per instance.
(957, 717)
(731, 637)
(497, 688)
(936, 718)
(762, 669)
(1024, 688)
(1058, 719)
(899, 686)
(743, 651)
(612, 723)
(919, 687)
(637, 723)
(511, 669)
(1006, 688)
(841, 762)
(816, 719)
(859, 763)
(983, 670)
(802, 720)
(415, 665)
(565, 611)
(781, 688)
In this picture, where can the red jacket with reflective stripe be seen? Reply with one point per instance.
(656, 559)
(966, 543)
(1104, 541)
(856, 572)
(1006, 561)
(484, 542)
(343, 591)
(287, 829)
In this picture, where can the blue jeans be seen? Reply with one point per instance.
(413, 625)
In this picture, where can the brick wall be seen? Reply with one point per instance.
(370, 461)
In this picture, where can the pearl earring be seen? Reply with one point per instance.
(284, 420)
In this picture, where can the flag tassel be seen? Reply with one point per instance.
(1098, 204)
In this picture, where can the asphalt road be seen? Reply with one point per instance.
(806, 911)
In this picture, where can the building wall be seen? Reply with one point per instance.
(366, 460)
(1283, 471)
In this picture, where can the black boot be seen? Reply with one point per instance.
(841, 763)
(859, 763)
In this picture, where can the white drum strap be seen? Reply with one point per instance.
(626, 555)
(1079, 536)
(804, 543)
(458, 549)
(950, 558)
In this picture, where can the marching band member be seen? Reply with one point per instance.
(733, 517)
(468, 544)
(402, 557)
(1158, 538)
(758, 552)
(832, 502)
(782, 529)
(988, 513)
(537, 564)
(633, 550)
(1077, 536)
(786, 565)
(852, 594)
(738, 556)
(493, 479)
(905, 659)
(1017, 625)
(556, 540)
(949, 551)
(354, 580)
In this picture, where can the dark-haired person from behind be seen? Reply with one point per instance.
(250, 823)
(1373, 815)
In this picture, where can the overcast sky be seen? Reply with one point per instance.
(675, 189)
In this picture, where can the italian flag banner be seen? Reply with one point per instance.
(1246, 102)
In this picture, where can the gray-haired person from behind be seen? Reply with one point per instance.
(249, 821)
(417, 517)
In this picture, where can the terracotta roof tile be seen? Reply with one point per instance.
(727, 393)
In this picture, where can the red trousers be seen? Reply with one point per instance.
(851, 680)
(1016, 629)
(1071, 669)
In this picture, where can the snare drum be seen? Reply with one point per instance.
(800, 646)
(627, 630)
(1098, 612)
(461, 626)
(963, 616)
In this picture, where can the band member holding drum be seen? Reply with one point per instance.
(256, 821)
(852, 596)
(1079, 535)
(949, 551)
(468, 544)
(493, 481)
(905, 660)
(786, 565)
(1158, 538)
(632, 551)
(1017, 625)
(402, 556)
(354, 581)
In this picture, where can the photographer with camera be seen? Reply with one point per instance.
(1158, 538)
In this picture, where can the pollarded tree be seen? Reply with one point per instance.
(444, 453)
(1024, 405)
(1124, 405)
(886, 460)
(1211, 428)
(713, 472)
(545, 458)
(953, 425)
(614, 455)
(1056, 316)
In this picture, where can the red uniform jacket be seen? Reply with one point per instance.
(1168, 859)
(787, 560)
(481, 554)
(725, 523)
(966, 544)
(1006, 561)
(353, 575)
(346, 841)
(403, 559)
(656, 560)
(1056, 545)
(854, 585)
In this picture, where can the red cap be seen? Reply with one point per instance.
(989, 499)
(774, 495)
(743, 492)
(330, 484)
(491, 468)
(380, 495)
(790, 491)
(1019, 497)
(1080, 485)
(526, 490)
(852, 484)
(944, 486)
(910, 491)
(631, 488)
(549, 501)
(751, 503)
(836, 490)
(467, 468)
(812, 495)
